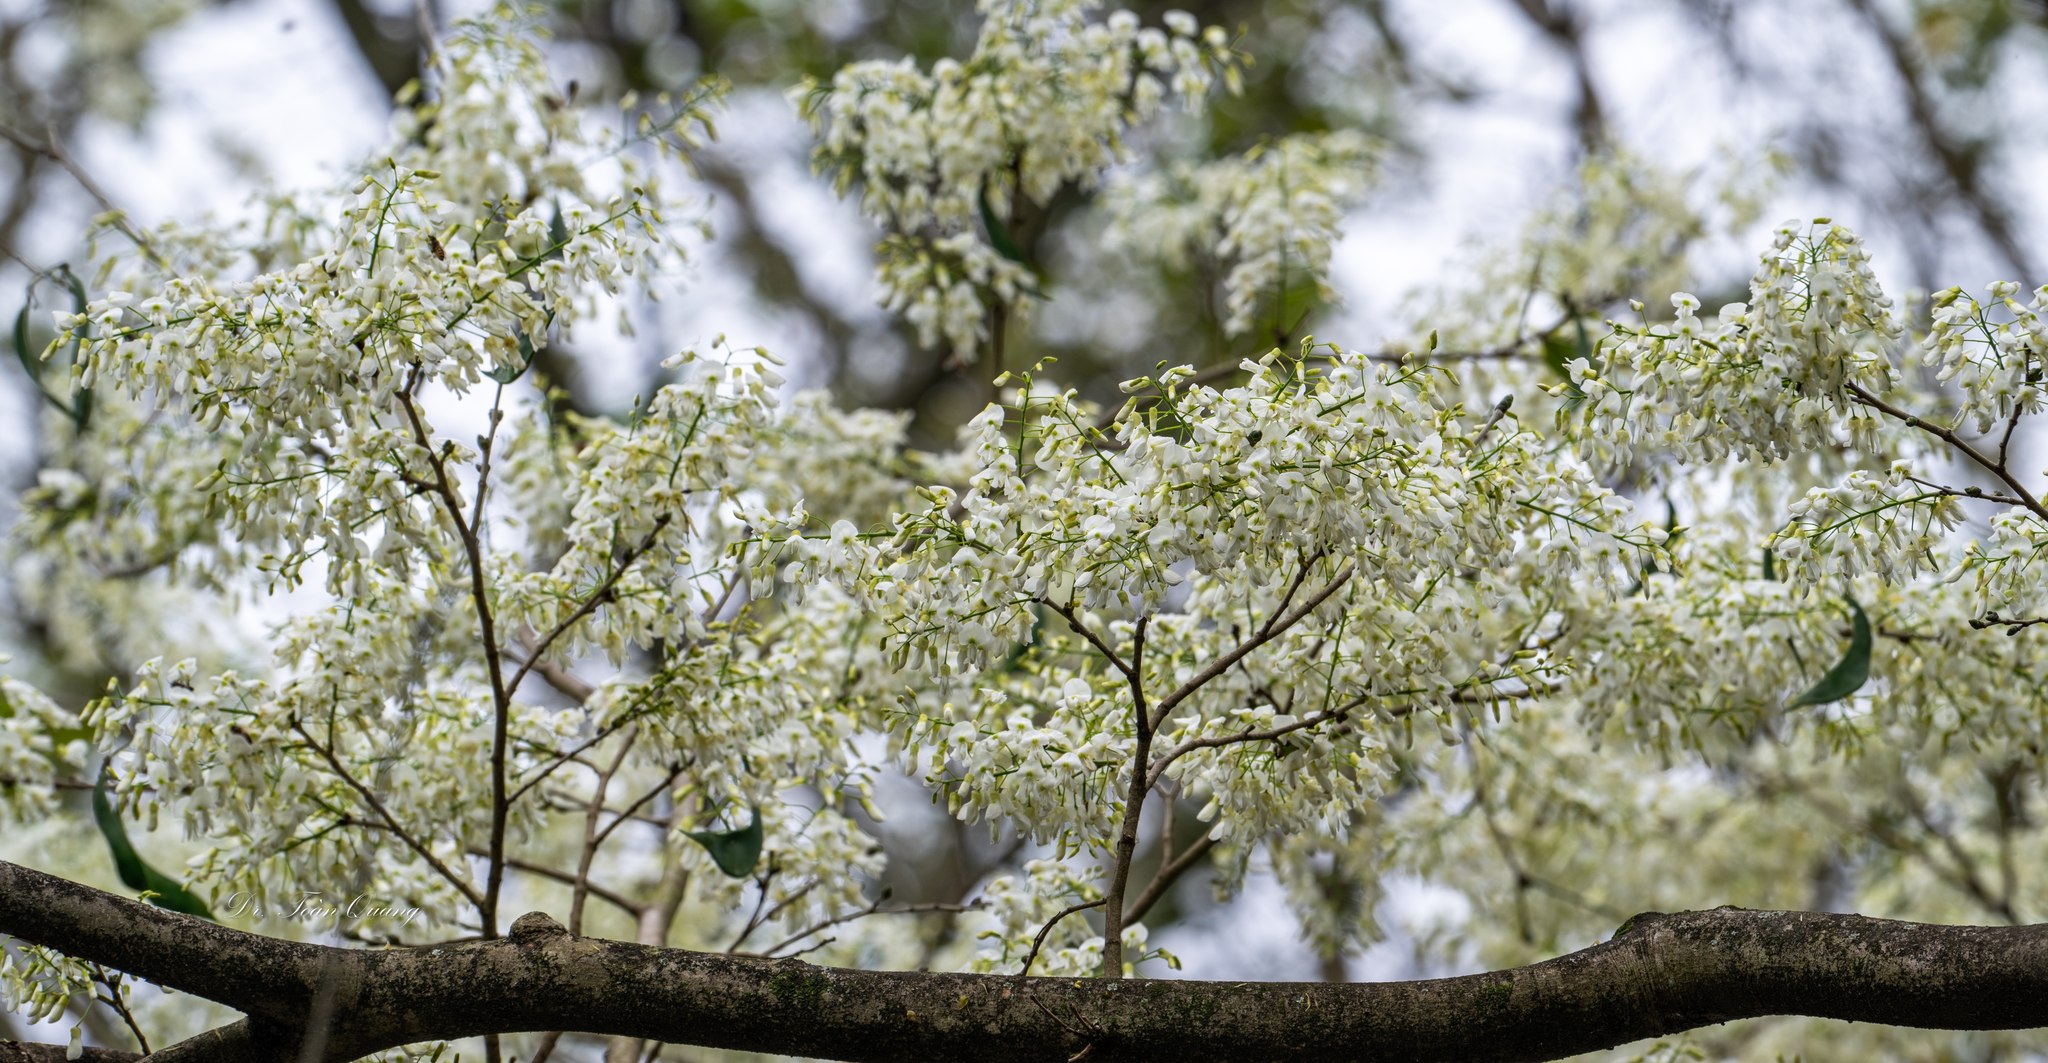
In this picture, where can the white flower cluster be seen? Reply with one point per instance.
(942, 156)
(1892, 525)
(40, 985)
(1273, 213)
(1768, 379)
(357, 705)
(483, 235)
(1017, 908)
(32, 751)
(639, 557)
(297, 410)
(2006, 572)
(1439, 544)
(1995, 366)
(945, 287)
(1698, 663)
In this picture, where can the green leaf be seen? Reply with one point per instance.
(157, 888)
(1560, 347)
(558, 236)
(999, 234)
(1770, 565)
(1558, 350)
(81, 403)
(734, 851)
(32, 363)
(1851, 672)
(505, 374)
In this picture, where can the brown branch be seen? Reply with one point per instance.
(631, 813)
(612, 897)
(1661, 974)
(565, 682)
(872, 909)
(1275, 626)
(1267, 734)
(501, 694)
(589, 605)
(592, 839)
(1134, 812)
(1038, 941)
(1167, 876)
(53, 149)
(1073, 619)
(568, 757)
(390, 823)
(25, 1052)
(1955, 441)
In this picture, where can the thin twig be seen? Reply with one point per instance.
(1277, 625)
(613, 897)
(1961, 446)
(53, 149)
(598, 597)
(872, 909)
(501, 698)
(1039, 941)
(592, 839)
(1073, 619)
(1167, 876)
(390, 822)
(113, 998)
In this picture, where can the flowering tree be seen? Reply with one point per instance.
(1329, 613)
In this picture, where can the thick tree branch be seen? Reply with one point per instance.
(1660, 975)
(25, 1052)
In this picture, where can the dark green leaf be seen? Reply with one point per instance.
(558, 236)
(81, 403)
(999, 234)
(31, 362)
(1851, 672)
(1560, 346)
(158, 888)
(1558, 350)
(734, 851)
(1770, 564)
(505, 374)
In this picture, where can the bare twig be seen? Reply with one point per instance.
(52, 148)
(1275, 626)
(1039, 941)
(115, 999)
(612, 897)
(501, 699)
(872, 909)
(390, 822)
(1168, 874)
(592, 839)
(1955, 441)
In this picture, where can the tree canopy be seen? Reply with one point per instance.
(444, 705)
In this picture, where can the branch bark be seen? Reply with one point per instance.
(1661, 974)
(29, 1052)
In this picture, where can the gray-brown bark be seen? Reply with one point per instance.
(21, 1052)
(1661, 974)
